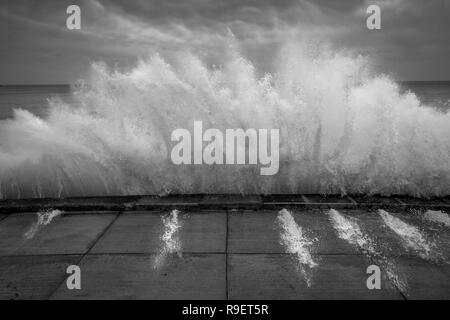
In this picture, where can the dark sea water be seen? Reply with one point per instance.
(30, 97)
(34, 98)
(433, 93)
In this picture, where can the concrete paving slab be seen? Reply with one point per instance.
(194, 276)
(259, 232)
(316, 225)
(263, 277)
(32, 277)
(425, 280)
(141, 232)
(3, 216)
(383, 240)
(66, 234)
(253, 232)
(437, 235)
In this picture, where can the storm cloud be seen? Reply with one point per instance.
(36, 46)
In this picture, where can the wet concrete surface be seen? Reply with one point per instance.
(66, 234)
(32, 277)
(194, 276)
(246, 228)
(139, 232)
(269, 276)
(222, 252)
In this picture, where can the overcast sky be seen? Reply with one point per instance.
(37, 48)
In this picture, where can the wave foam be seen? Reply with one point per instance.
(343, 130)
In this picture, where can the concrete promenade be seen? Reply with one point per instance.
(225, 247)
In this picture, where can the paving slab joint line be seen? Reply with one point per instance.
(374, 262)
(94, 242)
(393, 284)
